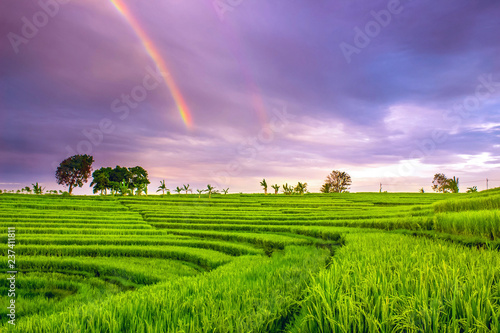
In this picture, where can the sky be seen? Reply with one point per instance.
(229, 92)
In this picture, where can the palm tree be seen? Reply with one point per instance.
(276, 188)
(263, 183)
(210, 190)
(301, 188)
(287, 189)
(37, 189)
(178, 190)
(225, 191)
(452, 185)
(162, 187)
(142, 188)
(200, 192)
(124, 188)
(186, 188)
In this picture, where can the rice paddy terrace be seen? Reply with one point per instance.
(254, 263)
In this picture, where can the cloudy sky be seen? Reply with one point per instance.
(230, 92)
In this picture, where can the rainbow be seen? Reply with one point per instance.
(156, 57)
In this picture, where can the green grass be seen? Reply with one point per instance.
(363, 262)
(387, 283)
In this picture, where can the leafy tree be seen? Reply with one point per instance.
(421, 190)
(326, 188)
(37, 189)
(338, 182)
(101, 180)
(210, 189)
(200, 192)
(124, 188)
(163, 187)
(276, 188)
(472, 189)
(139, 179)
(288, 190)
(178, 190)
(440, 183)
(74, 171)
(300, 188)
(143, 188)
(117, 176)
(452, 185)
(186, 188)
(263, 183)
(28, 189)
(225, 190)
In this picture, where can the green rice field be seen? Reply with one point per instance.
(350, 262)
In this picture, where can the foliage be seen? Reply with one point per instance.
(263, 183)
(38, 189)
(326, 188)
(439, 183)
(186, 188)
(338, 182)
(101, 182)
(162, 187)
(452, 185)
(74, 171)
(139, 179)
(472, 189)
(124, 188)
(210, 189)
(225, 191)
(276, 188)
(288, 189)
(301, 188)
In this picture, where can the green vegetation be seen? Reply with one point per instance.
(336, 262)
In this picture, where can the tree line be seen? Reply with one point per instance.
(76, 170)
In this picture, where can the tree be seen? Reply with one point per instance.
(300, 188)
(178, 190)
(101, 180)
(28, 189)
(472, 189)
(210, 189)
(162, 187)
(200, 192)
(263, 183)
(186, 188)
(139, 179)
(37, 189)
(326, 188)
(117, 176)
(338, 182)
(288, 190)
(142, 188)
(439, 183)
(74, 171)
(225, 190)
(452, 185)
(276, 188)
(421, 190)
(124, 188)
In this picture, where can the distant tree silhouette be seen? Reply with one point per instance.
(74, 171)
(263, 183)
(337, 182)
(276, 188)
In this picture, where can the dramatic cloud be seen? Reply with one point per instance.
(391, 91)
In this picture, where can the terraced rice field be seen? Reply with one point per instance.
(373, 262)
